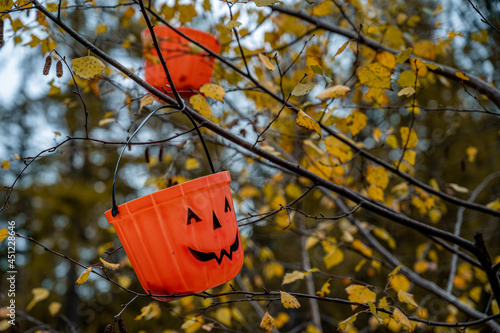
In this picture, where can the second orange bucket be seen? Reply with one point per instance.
(190, 66)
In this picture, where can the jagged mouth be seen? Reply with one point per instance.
(207, 256)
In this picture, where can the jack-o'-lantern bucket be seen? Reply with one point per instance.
(190, 66)
(183, 239)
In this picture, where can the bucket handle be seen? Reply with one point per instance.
(114, 210)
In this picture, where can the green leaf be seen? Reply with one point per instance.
(302, 89)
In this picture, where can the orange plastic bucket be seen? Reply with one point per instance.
(190, 66)
(183, 239)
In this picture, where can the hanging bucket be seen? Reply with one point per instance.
(183, 239)
(190, 66)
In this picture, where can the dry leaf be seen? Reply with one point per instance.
(408, 91)
(304, 120)
(146, 100)
(39, 294)
(360, 294)
(87, 67)
(213, 90)
(267, 322)
(84, 276)
(201, 105)
(405, 297)
(265, 59)
(109, 265)
(402, 319)
(289, 301)
(334, 92)
(302, 89)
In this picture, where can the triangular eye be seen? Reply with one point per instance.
(216, 222)
(192, 215)
(227, 208)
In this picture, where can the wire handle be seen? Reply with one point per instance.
(114, 210)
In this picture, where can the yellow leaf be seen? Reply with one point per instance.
(402, 319)
(323, 9)
(494, 204)
(376, 193)
(405, 297)
(109, 265)
(431, 66)
(358, 245)
(232, 24)
(101, 29)
(105, 121)
(375, 75)
(289, 301)
(408, 79)
(294, 276)
(124, 281)
(392, 141)
(84, 276)
(265, 60)
(377, 176)
(4, 325)
(338, 149)
(54, 308)
(471, 152)
(408, 139)
(187, 13)
(249, 191)
(325, 289)
(267, 322)
(342, 325)
(281, 319)
(150, 311)
(293, 190)
(87, 67)
(400, 282)
(334, 257)
(334, 92)
(5, 5)
(408, 91)
(425, 49)
(192, 163)
(384, 235)
(146, 100)
(410, 156)
(360, 294)
(404, 55)
(237, 315)
(262, 3)
(5, 165)
(480, 36)
(387, 59)
(224, 316)
(39, 294)
(213, 90)
(302, 89)
(342, 48)
(4, 233)
(201, 105)
(356, 121)
(104, 247)
(462, 76)
(273, 269)
(304, 120)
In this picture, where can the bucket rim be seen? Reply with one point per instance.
(183, 189)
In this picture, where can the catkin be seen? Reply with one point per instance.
(121, 325)
(109, 328)
(59, 69)
(48, 63)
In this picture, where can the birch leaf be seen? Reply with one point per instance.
(405, 297)
(402, 319)
(201, 105)
(4, 233)
(265, 60)
(109, 265)
(360, 294)
(39, 294)
(302, 89)
(334, 92)
(408, 91)
(84, 276)
(289, 301)
(213, 91)
(87, 67)
(267, 322)
(306, 121)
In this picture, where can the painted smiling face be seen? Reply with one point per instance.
(183, 239)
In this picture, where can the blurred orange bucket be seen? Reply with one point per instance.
(183, 239)
(190, 66)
